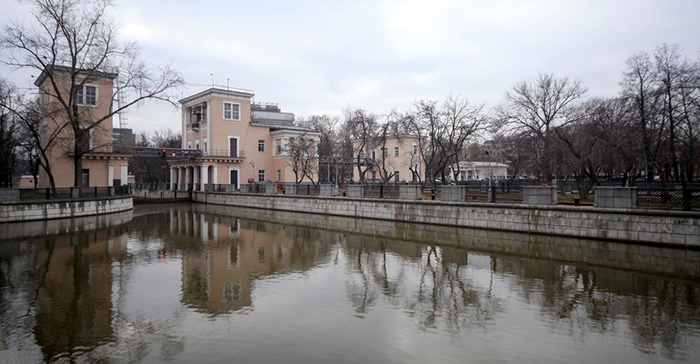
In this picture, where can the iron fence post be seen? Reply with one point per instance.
(687, 199)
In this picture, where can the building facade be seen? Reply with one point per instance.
(101, 166)
(475, 171)
(395, 158)
(240, 141)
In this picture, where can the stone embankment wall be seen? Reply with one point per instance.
(605, 253)
(677, 228)
(58, 209)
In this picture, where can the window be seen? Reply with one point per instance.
(85, 178)
(87, 140)
(261, 254)
(385, 153)
(279, 175)
(415, 149)
(189, 145)
(232, 292)
(374, 175)
(232, 111)
(374, 154)
(261, 145)
(396, 151)
(396, 176)
(261, 175)
(362, 154)
(87, 95)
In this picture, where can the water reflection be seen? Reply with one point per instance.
(194, 283)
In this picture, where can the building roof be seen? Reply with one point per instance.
(239, 92)
(64, 69)
(478, 164)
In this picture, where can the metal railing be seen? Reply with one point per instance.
(224, 153)
(668, 198)
(73, 193)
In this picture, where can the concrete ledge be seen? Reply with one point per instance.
(616, 197)
(668, 228)
(540, 195)
(58, 209)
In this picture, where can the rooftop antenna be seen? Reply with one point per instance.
(212, 79)
(227, 84)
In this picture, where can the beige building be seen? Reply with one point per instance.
(241, 142)
(100, 166)
(474, 171)
(398, 158)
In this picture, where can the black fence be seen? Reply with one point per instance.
(72, 193)
(668, 198)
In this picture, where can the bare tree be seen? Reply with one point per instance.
(639, 94)
(361, 126)
(443, 132)
(535, 108)
(301, 156)
(330, 145)
(77, 42)
(154, 170)
(8, 140)
(39, 131)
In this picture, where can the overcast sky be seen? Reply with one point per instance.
(317, 56)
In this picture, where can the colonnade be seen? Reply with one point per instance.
(197, 176)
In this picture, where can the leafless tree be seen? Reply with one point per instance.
(39, 131)
(301, 156)
(534, 108)
(8, 140)
(443, 131)
(330, 148)
(78, 41)
(154, 170)
(362, 127)
(639, 94)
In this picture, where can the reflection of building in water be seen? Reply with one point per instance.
(74, 291)
(217, 276)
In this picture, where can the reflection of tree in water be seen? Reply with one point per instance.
(658, 313)
(444, 298)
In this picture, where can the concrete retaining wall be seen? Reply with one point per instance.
(678, 228)
(621, 255)
(43, 210)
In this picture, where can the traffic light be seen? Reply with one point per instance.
(164, 153)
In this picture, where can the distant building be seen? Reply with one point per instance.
(474, 171)
(241, 142)
(398, 157)
(123, 138)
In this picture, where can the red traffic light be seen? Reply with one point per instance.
(165, 151)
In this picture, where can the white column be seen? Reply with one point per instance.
(195, 176)
(180, 177)
(205, 176)
(173, 179)
(110, 175)
(215, 174)
(188, 176)
(125, 174)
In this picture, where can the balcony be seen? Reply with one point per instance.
(239, 154)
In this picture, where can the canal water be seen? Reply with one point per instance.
(208, 284)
